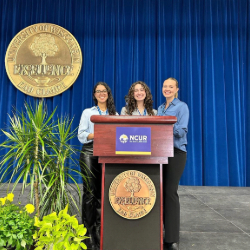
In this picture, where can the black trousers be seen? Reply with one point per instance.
(171, 206)
(91, 202)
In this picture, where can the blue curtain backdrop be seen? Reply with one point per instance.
(202, 43)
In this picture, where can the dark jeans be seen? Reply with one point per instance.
(91, 202)
(171, 206)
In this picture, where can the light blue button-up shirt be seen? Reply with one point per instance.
(180, 110)
(86, 127)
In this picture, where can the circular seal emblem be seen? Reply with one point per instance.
(132, 194)
(43, 60)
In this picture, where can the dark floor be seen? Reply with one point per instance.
(214, 218)
(211, 217)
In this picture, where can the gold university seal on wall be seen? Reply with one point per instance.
(43, 60)
(132, 194)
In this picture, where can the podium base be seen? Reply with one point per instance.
(131, 234)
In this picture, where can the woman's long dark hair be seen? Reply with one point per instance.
(148, 101)
(110, 101)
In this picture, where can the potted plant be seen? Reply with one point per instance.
(39, 154)
(60, 231)
(16, 225)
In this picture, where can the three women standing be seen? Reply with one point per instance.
(91, 203)
(139, 102)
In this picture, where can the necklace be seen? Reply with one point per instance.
(100, 112)
(144, 113)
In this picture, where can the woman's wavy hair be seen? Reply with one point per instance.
(110, 101)
(132, 103)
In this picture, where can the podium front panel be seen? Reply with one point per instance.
(162, 143)
(131, 234)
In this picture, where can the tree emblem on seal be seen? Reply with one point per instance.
(132, 185)
(44, 46)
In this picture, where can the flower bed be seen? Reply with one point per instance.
(19, 230)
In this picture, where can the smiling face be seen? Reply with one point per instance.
(169, 89)
(101, 94)
(139, 92)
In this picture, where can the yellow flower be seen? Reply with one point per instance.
(10, 197)
(30, 208)
(3, 200)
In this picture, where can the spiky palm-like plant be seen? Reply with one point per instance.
(39, 155)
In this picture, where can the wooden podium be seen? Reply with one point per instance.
(146, 233)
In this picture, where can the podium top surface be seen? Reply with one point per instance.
(133, 119)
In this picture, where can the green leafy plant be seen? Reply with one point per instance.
(16, 226)
(60, 232)
(41, 157)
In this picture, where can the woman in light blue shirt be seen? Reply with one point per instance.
(91, 204)
(173, 170)
(139, 100)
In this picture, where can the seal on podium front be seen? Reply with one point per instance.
(132, 194)
(43, 60)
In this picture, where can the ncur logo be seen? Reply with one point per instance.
(133, 141)
(123, 138)
(138, 138)
(133, 138)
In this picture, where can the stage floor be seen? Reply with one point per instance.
(211, 217)
(214, 218)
